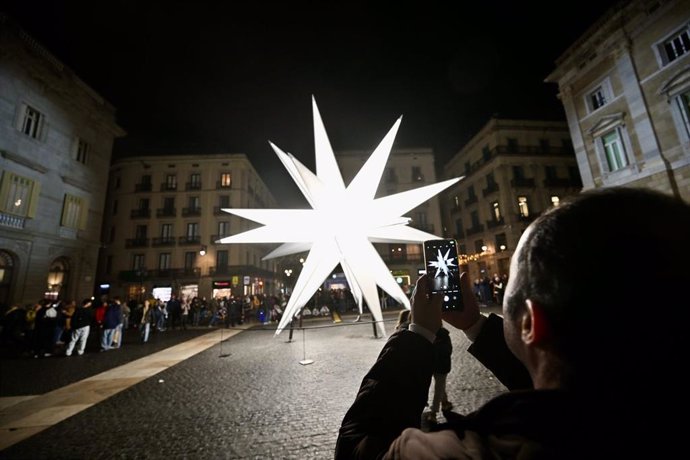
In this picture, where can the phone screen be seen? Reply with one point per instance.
(443, 272)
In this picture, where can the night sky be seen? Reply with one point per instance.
(226, 77)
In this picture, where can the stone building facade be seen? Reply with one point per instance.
(56, 137)
(625, 87)
(514, 170)
(162, 222)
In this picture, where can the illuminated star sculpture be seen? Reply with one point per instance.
(442, 263)
(341, 226)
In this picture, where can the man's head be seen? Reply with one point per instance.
(595, 284)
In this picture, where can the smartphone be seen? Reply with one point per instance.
(443, 272)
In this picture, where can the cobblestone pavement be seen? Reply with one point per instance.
(250, 399)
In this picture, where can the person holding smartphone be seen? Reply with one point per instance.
(603, 363)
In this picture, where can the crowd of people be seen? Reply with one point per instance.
(56, 327)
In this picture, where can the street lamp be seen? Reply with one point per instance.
(202, 251)
(484, 248)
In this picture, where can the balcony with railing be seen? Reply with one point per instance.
(136, 242)
(175, 273)
(189, 240)
(188, 212)
(166, 212)
(474, 230)
(8, 220)
(218, 211)
(164, 241)
(192, 186)
(471, 200)
(140, 213)
(561, 182)
(241, 270)
(143, 187)
(221, 185)
(168, 187)
(522, 182)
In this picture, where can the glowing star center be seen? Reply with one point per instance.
(341, 225)
(442, 263)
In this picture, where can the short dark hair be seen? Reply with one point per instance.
(600, 264)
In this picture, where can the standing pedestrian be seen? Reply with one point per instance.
(147, 315)
(443, 349)
(81, 327)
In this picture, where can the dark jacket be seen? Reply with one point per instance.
(443, 349)
(82, 317)
(527, 424)
(113, 316)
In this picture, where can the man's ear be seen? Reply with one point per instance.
(534, 327)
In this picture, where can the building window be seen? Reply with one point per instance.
(166, 231)
(222, 258)
(523, 207)
(140, 232)
(683, 101)
(417, 175)
(555, 201)
(18, 195)
(459, 232)
(486, 153)
(193, 203)
(614, 150)
(164, 261)
(195, 181)
(226, 180)
(171, 182)
(143, 204)
(490, 181)
(112, 234)
(474, 216)
(223, 228)
(675, 47)
(74, 212)
(169, 203)
(146, 179)
(518, 173)
(82, 148)
(471, 196)
(31, 124)
(137, 261)
(512, 145)
(496, 211)
(597, 98)
(456, 202)
(551, 173)
(189, 260)
(544, 145)
(192, 230)
(118, 182)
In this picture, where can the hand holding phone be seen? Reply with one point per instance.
(443, 272)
